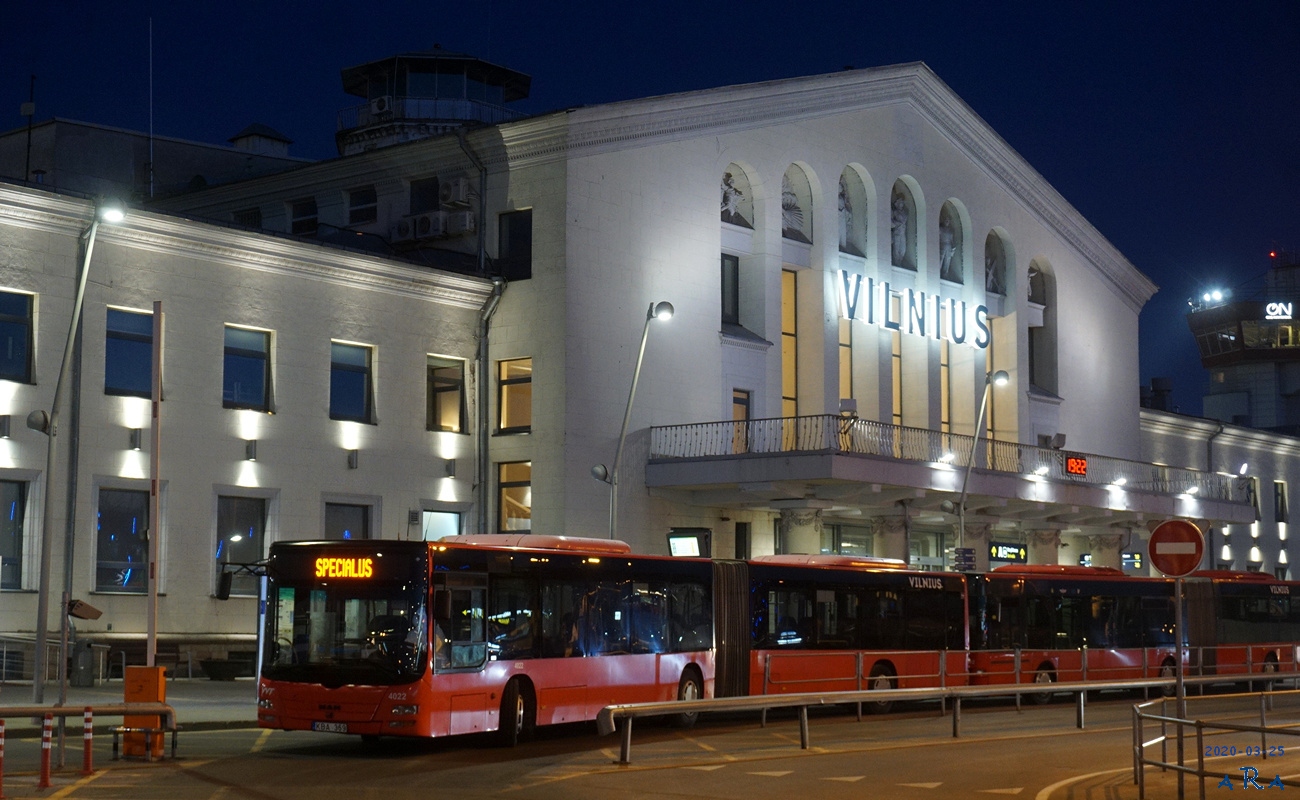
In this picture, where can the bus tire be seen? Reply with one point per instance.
(518, 715)
(882, 678)
(1045, 674)
(690, 687)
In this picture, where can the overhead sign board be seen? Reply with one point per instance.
(1008, 551)
(1176, 547)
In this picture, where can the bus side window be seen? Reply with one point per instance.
(468, 632)
(560, 628)
(689, 617)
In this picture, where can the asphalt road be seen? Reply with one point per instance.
(1036, 753)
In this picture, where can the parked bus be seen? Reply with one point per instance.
(474, 634)
(1241, 623)
(1046, 623)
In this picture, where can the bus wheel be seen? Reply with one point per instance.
(688, 688)
(517, 715)
(881, 678)
(1168, 670)
(1044, 675)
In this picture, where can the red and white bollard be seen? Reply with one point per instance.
(2, 759)
(47, 728)
(88, 735)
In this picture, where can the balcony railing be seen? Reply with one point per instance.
(830, 433)
(414, 109)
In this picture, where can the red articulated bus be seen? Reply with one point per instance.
(474, 634)
(1241, 623)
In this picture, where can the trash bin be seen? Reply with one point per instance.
(82, 670)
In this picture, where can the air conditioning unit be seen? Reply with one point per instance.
(460, 223)
(381, 106)
(431, 225)
(402, 231)
(454, 192)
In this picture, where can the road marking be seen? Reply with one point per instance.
(1002, 791)
(779, 773)
(67, 790)
(698, 743)
(261, 740)
(708, 767)
(934, 785)
(853, 779)
(1046, 792)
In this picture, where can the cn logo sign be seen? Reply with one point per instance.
(1278, 310)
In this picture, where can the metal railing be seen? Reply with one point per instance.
(1141, 718)
(854, 435)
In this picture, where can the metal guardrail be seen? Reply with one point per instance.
(165, 713)
(1140, 743)
(829, 432)
(608, 717)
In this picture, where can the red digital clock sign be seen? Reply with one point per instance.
(1076, 465)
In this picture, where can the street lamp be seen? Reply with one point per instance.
(106, 210)
(662, 310)
(991, 379)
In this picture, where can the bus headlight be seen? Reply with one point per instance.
(405, 711)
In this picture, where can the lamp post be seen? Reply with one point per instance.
(991, 379)
(105, 211)
(662, 310)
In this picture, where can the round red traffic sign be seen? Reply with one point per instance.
(1176, 547)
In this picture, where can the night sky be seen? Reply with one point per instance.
(1173, 127)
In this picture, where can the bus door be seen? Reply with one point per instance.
(460, 650)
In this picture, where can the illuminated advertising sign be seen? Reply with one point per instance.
(912, 312)
(345, 567)
(1278, 310)
(1008, 551)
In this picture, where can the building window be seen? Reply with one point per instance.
(128, 353)
(896, 376)
(248, 217)
(945, 387)
(363, 206)
(302, 217)
(846, 359)
(241, 531)
(246, 381)
(515, 245)
(424, 195)
(1280, 510)
(789, 346)
(351, 387)
(445, 378)
(515, 395)
(347, 521)
(122, 541)
(515, 496)
(435, 525)
(740, 416)
(13, 497)
(16, 337)
(730, 289)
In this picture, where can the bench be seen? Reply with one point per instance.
(148, 750)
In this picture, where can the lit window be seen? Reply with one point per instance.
(445, 379)
(789, 346)
(246, 379)
(515, 395)
(122, 541)
(16, 337)
(128, 353)
(351, 387)
(515, 496)
(241, 526)
(363, 206)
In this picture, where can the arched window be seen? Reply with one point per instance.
(952, 265)
(853, 214)
(796, 205)
(1042, 326)
(737, 198)
(995, 264)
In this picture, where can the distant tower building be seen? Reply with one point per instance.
(418, 95)
(1252, 349)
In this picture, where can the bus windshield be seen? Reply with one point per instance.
(340, 632)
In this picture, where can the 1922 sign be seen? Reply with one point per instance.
(1076, 465)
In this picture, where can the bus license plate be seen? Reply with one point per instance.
(330, 727)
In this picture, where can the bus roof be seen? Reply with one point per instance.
(1234, 575)
(538, 541)
(1066, 570)
(858, 562)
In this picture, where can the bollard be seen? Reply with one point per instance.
(47, 727)
(88, 735)
(2, 759)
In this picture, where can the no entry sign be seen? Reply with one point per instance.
(1176, 547)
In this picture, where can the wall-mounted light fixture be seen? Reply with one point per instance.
(352, 459)
(4, 426)
(450, 466)
(250, 449)
(135, 437)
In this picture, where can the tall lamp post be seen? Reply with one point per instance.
(991, 379)
(105, 211)
(662, 310)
